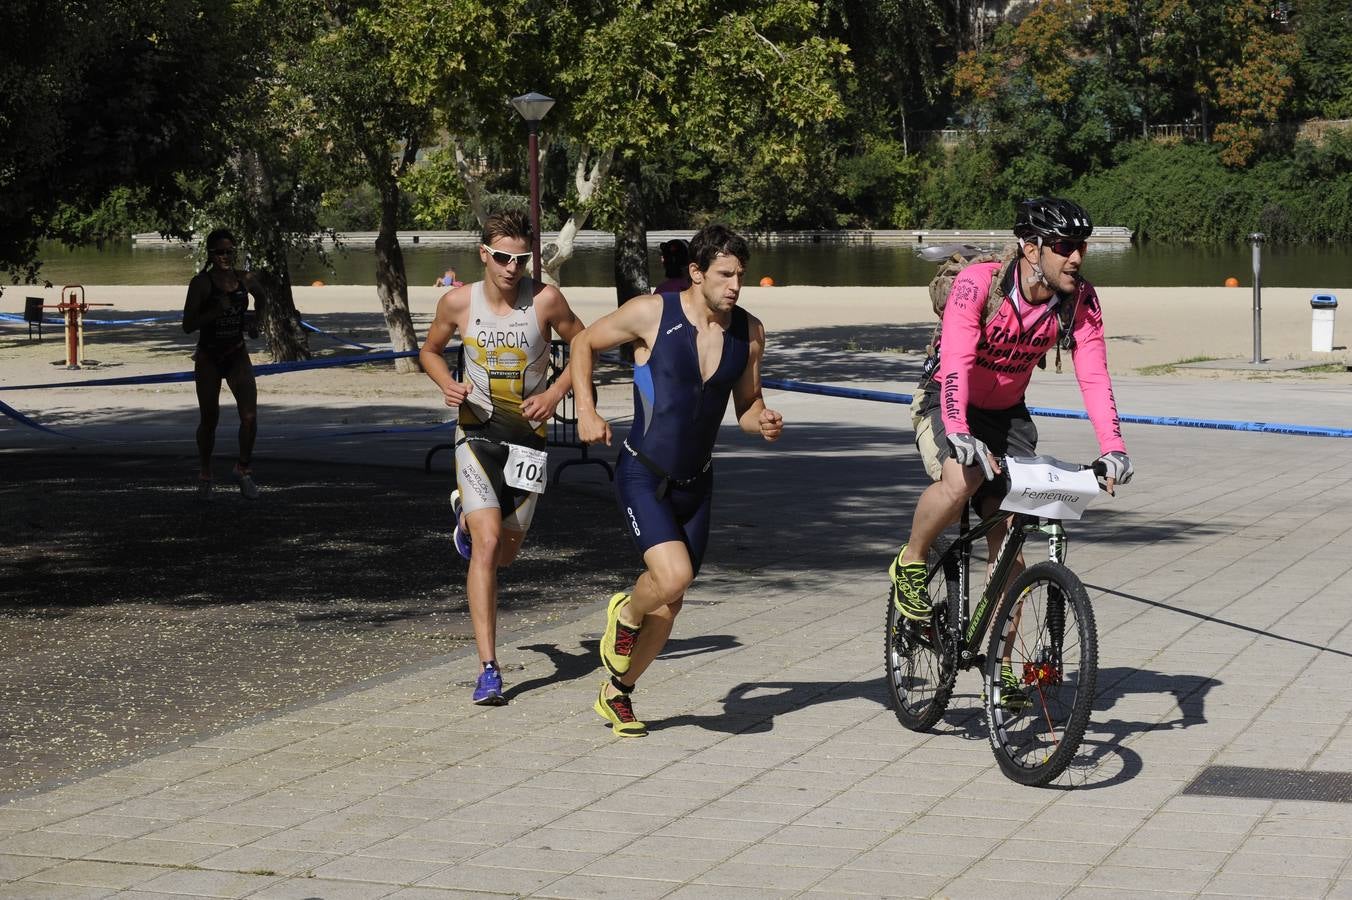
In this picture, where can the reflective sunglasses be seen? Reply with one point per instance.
(504, 259)
(1066, 248)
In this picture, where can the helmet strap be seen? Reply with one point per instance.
(1038, 275)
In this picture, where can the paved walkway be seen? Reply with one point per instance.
(775, 767)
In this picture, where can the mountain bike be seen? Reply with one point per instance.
(1043, 633)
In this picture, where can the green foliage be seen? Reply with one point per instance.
(1324, 72)
(352, 209)
(1184, 193)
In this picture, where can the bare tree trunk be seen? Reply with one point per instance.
(280, 321)
(588, 181)
(631, 242)
(470, 180)
(391, 277)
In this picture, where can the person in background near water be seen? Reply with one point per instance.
(504, 400)
(693, 350)
(675, 261)
(448, 280)
(218, 308)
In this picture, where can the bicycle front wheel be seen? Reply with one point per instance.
(916, 656)
(1041, 667)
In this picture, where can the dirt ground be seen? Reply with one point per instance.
(134, 614)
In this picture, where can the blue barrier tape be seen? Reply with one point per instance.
(1054, 413)
(327, 362)
(19, 417)
(333, 337)
(12, 319)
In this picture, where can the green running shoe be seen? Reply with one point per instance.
(619, 712)
(618, 640)
(1011, 697)
(910, 593)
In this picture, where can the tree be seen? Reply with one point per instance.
(740, 93)
(1324, 28)
(121, 94)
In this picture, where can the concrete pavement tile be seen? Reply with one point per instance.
(489, 878)
(97, 874)
(795, 855)
(708, 775)
(1169, 838)
(972, 826)
(468, 831)
(648, 866)
(794, 778)
(272, 814)
(898, 804)
(659, 785)
(1286, 824)
(598, 820)
(763, 877)
(264, 861)
(315, 841)
(677, 803)
(556, 799)
(381, 870)
(400, 807)
(12, 868)
(873, 884)
(1164, 858)
(1040, 871)
(54, 844)
(312, 888)
(701, 891)
(113, 826)
(577, 781)
(375, 826)
(982, 889)
(554, 837)
(780, 813)
(16, 818)
(1099, 892)
(814, 836)
(1340, 890)
(1069, 848)
(1231, 806)
(1246, 862)
(729, 830)
(584, 887)
(157, 853)
(423, 850)
(538, 859)
(660, 846)
(31, 890)
(877, 820)
(760, 792)
(209, 884)
(419, 893)
(957, 845)
(202, 832)
(1228, 884)
(935, 865)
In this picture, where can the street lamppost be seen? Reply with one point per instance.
(533, 107)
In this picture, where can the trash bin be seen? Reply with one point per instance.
(1323, 309)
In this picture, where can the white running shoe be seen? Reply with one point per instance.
(247, 486)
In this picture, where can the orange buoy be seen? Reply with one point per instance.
(1232, 281)
(767, 281)
(316, 283)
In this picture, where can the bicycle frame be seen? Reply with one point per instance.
(971, 626)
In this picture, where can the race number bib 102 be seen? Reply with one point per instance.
(526, 468)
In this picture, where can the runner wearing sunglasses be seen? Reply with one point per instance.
(969, 409)
(505, 323)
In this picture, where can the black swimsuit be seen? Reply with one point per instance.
(223, 337)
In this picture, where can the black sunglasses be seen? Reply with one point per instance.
(222, 251)
(1066, 248)
(504, 259)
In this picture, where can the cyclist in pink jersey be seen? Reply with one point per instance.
(969, 407)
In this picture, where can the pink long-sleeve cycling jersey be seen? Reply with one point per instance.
(989, 367)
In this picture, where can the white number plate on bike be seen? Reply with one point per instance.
(1042, 486)
(526, 468)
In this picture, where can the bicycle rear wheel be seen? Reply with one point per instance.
(916, 655)
(1044, 631)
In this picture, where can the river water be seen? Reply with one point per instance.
(1324, 266)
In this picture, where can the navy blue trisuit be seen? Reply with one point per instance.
(664, 479)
